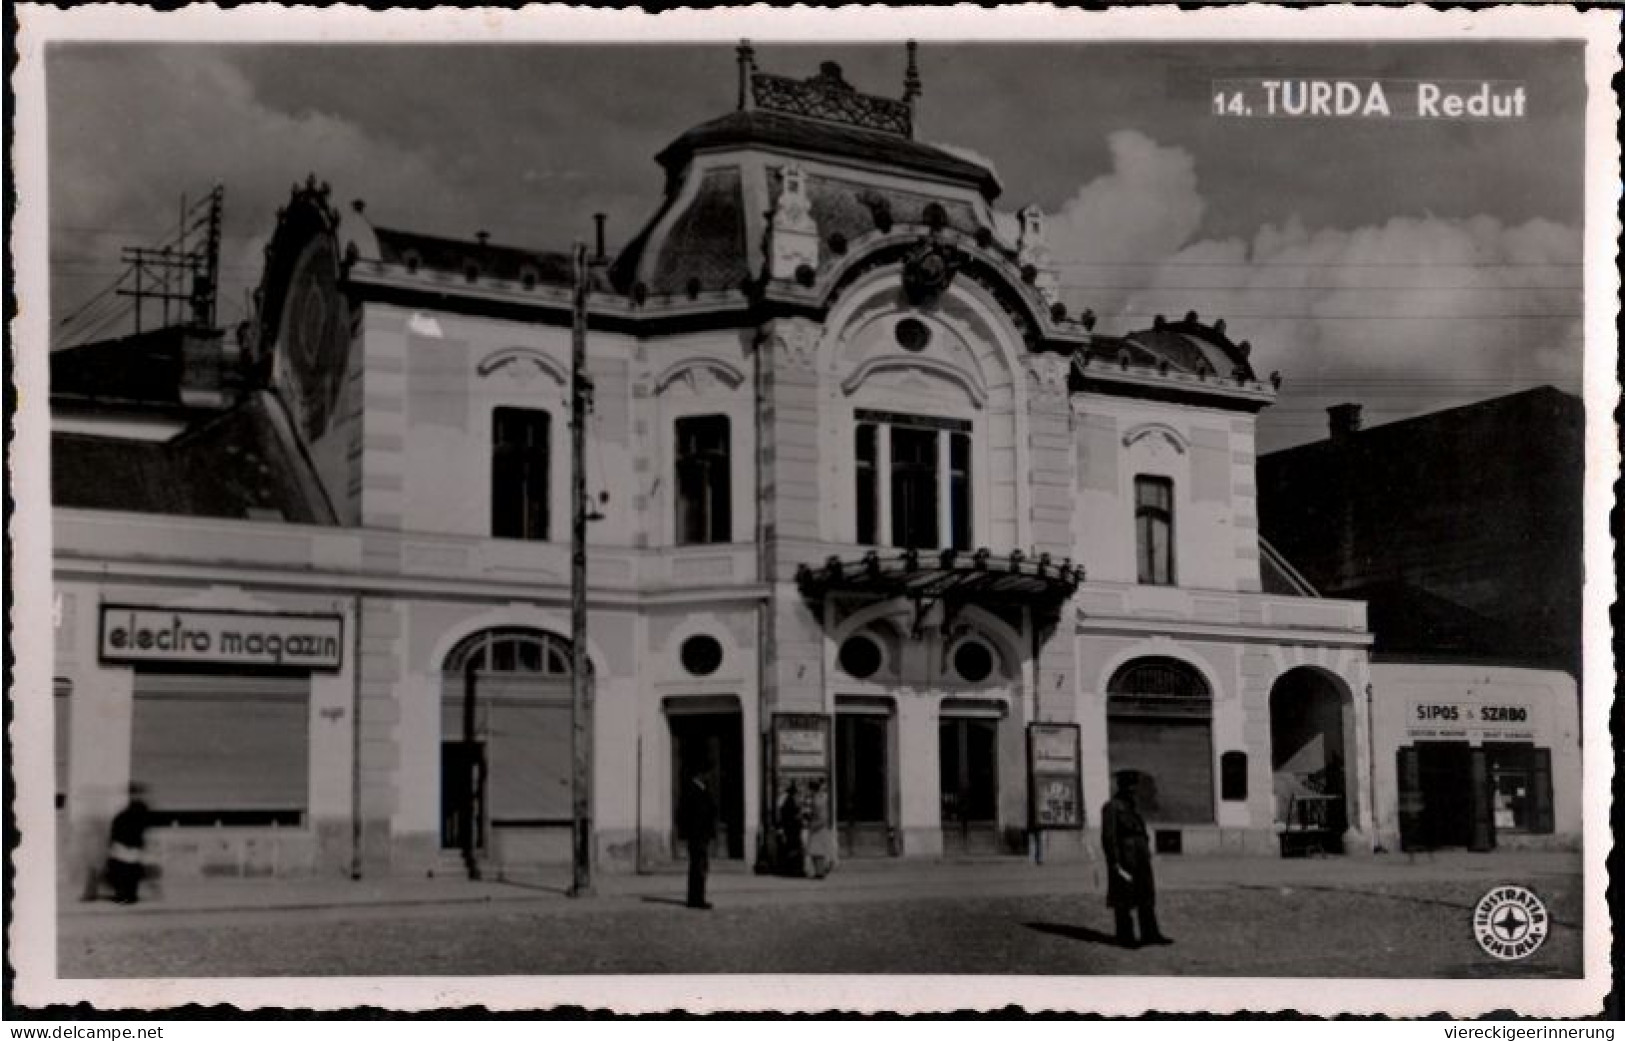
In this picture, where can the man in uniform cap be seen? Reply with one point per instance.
(1130, 888)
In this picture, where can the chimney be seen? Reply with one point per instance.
(1345, 420)
(598, 219)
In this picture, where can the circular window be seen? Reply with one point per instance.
(973, 661)
(860, 657)
(912, 334)
(701, 655)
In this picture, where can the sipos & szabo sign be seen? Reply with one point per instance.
(180, 635)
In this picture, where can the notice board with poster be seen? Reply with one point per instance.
(801, 751)
(1055, 775)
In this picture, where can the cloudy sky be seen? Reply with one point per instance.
(1407, 265)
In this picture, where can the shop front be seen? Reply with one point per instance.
(217, 715)
(1475, 758)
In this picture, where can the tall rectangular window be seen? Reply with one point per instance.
(868, 490)
(519, 473)
(704, 491)
(914, 487)
(913, 481)
(1154, 529)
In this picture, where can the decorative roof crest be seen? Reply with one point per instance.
(828, 96)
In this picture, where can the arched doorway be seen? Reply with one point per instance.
(505, 753)
(1159, 724)
(1310, 743)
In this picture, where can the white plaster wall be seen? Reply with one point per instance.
(1555, 723)
(1197, 449)
(694, 375)
(453, 373)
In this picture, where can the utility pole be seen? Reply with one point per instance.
(580, 681)
(162, 273)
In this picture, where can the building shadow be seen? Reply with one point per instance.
(1073, 932)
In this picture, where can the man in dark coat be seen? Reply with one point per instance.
(1130, 887)
(697, 817)
(127, 848)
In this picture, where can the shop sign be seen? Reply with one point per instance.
(1054, 775)
(1457, 718)
(181, 636)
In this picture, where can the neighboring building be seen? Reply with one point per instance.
(1462, 531)
(874, 509)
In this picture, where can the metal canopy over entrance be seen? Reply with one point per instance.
(950, 578)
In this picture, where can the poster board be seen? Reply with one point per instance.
(801, 750)
(1055, 776)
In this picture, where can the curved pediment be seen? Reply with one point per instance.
(523, 364)
(1160, 431)
(699, 374)
(967, 381)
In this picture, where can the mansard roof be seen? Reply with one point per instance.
(824, 116)
(820, 138)
(476, 260)
(1191, 346)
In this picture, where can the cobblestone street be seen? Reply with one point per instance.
(1324, 918)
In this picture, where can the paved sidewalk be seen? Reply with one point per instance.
(853, 881)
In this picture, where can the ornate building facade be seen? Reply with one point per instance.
(872, 508)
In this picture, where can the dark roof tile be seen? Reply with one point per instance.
(244, 464)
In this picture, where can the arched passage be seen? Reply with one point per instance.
(505, 753)
(1311, 741)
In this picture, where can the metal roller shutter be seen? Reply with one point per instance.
(525, 725)
(228, 749)
(1174, 758)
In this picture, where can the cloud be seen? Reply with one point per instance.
(117, 176)
(1451, 305)
(1145, 209)
(1411, 315)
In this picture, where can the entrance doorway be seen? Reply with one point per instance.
(863, 782)
(1445, 796)
(462, 793)
(1308, 761)
(710, 743)
(969, 757)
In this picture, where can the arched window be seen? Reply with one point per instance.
(1159, 724)
(511, 650)
(1160, 679)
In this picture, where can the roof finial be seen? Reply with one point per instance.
(747, 65)
(911, 83)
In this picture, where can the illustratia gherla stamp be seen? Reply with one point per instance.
(1510, 923)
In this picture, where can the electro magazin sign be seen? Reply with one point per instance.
(140, 634)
